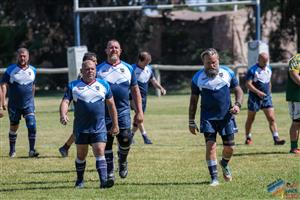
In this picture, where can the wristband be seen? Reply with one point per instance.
(238, 104)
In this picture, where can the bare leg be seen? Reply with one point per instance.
(270, 115)
(248, 126)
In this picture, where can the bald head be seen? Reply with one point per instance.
(263, 59)
(144, 59)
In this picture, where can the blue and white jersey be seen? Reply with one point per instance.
(89, 105)
(120, 78)
(215, 92)
(260, 77)
(21, 83)
(143, 77)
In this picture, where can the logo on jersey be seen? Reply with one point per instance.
(122, 70)
(97, 88)
(29, 73)
(80, 88)
(221, 75)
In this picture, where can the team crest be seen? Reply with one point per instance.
(221, 75)
(97, 88)
(122, 70)
(29, 73)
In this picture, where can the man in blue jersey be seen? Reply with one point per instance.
(259, 85)
(19, 81)
(122, 80)
(90, 95)
(64, 150)
(213, 84)
(144, 74)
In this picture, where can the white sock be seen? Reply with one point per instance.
(144, 133)
(275, 134)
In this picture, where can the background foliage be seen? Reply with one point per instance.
(46, 28)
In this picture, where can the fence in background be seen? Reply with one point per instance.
(238, 70)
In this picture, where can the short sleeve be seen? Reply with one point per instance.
(68, 94)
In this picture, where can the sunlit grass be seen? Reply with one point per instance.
(173, 167)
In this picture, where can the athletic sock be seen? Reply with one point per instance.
(144, 133)
(101, 167)
(31, 138)
(66, 146)
(248, 136)
(212, 168)
(12, 141)
(294, 144)
(224, 162)
(123, 153)
(80, 167)
(109, 157)
(275, 136)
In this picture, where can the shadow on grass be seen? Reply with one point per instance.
(260, 153)
(165, 183)
(72, 187)
(59, 171)
(40, 157)
(36, 188)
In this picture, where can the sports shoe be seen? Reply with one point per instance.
(79, 184)
(123, 169)
(248, 141)
(226, 172)
(279, 142)
(295, 151)
(109, 183)
(214, 183)
(12, 154)
(33, 154)
(146, 139)
(63, 152)
(110, 179)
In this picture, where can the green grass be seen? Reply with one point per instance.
(173, 167)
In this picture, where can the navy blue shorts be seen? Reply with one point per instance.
(255, 103)
(90, 138)
(223, 127)
(144, 104)
(16, 113)
(124, 122)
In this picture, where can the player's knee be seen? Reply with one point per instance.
(14, 123)
(210, 138)
(229, 144)
(229, 149)
(30, 122)
(125, 137)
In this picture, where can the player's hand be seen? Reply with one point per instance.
(261, 94)
(163, 91)
(193, 127)
(114, 130)
(235, 110)
(138, 118)
(1, 113)
(64, 119)
(4, 106)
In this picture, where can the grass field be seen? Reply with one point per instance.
(174, 167)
